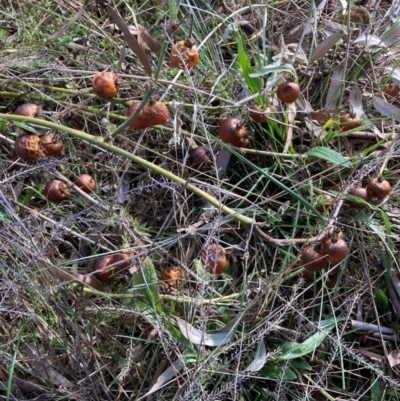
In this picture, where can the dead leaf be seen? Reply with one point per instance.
(385, 108)
(145, 40)
(43, 367)
(222, 161)
(394, 358)
(326, 45)
(130, 39)
(335, 88)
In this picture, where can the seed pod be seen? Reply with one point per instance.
(288, 92)
(172, 276)
(184, 54)
(56, 191)
(213, 259)
(379, 187)
(198, 158)
(312, 260)
(105, 85)
(51, 144)
(27, 147)
(86, 183)
(153, 113)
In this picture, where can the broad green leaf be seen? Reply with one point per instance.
(146, 283)
(278, 372)
(300, 364)
(292, 350)
(329, 155)
(196, 336)
(377, 388)
(381, 301)
(274, 68)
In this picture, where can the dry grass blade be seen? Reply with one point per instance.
(68, 25)
(130, 39)
(326, 45)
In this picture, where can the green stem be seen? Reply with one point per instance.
(247, 221)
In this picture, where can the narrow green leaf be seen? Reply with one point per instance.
(278, 372)
(301, 364)
(377, 388)
(253, 84)
(292, 350)
(274, 68)
(146, 282)
(381, 301)
(329, 155)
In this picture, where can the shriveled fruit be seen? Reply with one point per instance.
(288, 92)
(51, 144)
(103, 272)
(153, 113)
(392, 89)
(105, 85)
(28, 110)
(260, 118)
(27, 147)
(335, 249)
(334, 232)
(56, 191)
(379, 187)
(172, 276)
(231, 130)
(312, 260)
(213, 259)
(86, 183)
(184, 54)
(199, 159)
(350, 121)
(243, 143)
(360, 193)
(121, 261)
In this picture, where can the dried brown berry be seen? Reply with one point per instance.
(231, 130)
(288, 92)
(379, 187)
(27, 147)
(51, 144)
(360, 193)
(335, 250)
(213, 259)
(392, 89)
(184, 54)
(86, 183)
(198, 158)
(312, 260)
(261, 118)
(56, 191)
(103, 272)
(350, 121)
(28, 110)
(172, 276)
(153, 113)
(105, 85)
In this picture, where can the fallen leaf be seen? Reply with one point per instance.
(326, 45)
(385, 108)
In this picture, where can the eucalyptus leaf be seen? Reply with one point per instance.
(329, 155)
(326, 45)
(385, 108)
(196, 336)
(166, 376)
(259, 358)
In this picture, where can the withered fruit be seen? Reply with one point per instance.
(334, 232)
(104, 273)
(379, 187)
(213, 259)
(184, 54)
(360, 192)
(51, 144)
(288, 92)
(312, 260)
(105, 85)
(231, 130)
(86, 183)
(172, 276)
(27, 147)
(261, 118)
(56, 191)
(392, 89)
(335, 249)
(28, 110)
(199, 159)
(350, 121)
(153, 113)
(121, 261)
